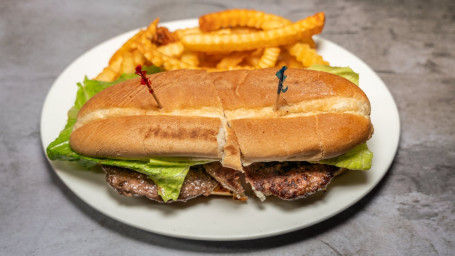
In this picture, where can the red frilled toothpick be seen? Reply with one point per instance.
(146, 81)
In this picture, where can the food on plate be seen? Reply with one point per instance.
(287, 34)
(226, 40)
(306, 55)
(217, 128)
(221, 127)
(240, 18)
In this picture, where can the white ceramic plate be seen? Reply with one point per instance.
(219, 218)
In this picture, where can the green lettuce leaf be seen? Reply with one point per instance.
(59, 149)
(168, 174)
(345, 72)
(360, 157)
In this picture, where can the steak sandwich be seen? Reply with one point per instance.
(218, 133)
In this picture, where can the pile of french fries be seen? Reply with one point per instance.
(226, 40)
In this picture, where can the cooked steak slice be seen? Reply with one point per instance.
(131, 183)
(288, 180)
(228, 178)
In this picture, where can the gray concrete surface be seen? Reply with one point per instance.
(410, 44)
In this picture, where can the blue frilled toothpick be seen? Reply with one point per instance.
(281, 78)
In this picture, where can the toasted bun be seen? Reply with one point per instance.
(227, 116)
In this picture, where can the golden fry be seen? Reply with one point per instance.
(151, 53)
(139, 59)
(190, 58)
(271, 38)
(306, 55)
(207, 60)
(180, 33)
(239, 30)
(107, 75)
(156, 58)
(269, 58)
(128, 65)
(232, 60)
(238, 18)
(254, 57)
(115, 63)
(273, 24)
(288, 60)
(132, 42)
(112, 71)
(309, 41)
(174, 49)
(226, 40)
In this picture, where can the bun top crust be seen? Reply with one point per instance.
(251, 89)
(178, 90)
(236, 110)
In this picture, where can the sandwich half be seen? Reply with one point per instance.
(218, 132)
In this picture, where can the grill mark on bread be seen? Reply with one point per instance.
(180, 133)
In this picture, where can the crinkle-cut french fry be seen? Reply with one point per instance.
(168, 63)
(242, 42)
(190, 58)
(271, 54)
(116, 62)
(127, 66)
(152, 54)
(174, 49)
(227, 40)
(150, 31)
(224, 31)
(240, 30)
(273, 24)
(127, 46)
(232, 60)
(116, 66)
(180, 33)
(209, 60)
(254, 57)
(286, 59)
(112, 71)
(294, 63)
(306, 55)
(107, 75)
(144, 41)
(138, 57)
(309, 41)
(269, 58)
(237, 17)
(132, 42)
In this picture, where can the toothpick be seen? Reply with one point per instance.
(146, 81)
(281, 78)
